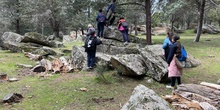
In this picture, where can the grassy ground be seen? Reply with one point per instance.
(62, 92)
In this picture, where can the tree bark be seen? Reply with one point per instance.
(148, 21)
(135, 26)
(18, 18)
(218, 22)
(200, 21)
(172, 23)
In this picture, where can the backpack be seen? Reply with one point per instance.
(89, 43)
(101, 18)
(183, 54)
(124, 25)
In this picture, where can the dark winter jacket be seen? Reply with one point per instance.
(112, 7)
(91, 43)
(172, 51)
(101, 17)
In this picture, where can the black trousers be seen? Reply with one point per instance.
(173, 80)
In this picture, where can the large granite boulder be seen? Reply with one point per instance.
(113, 34)
(37, 38)
(27, 43)
(191, 61)
(10, 41)
(117, 35)
(129, 65)
(157, 67)
(78, 56)
(143, 98)
(210, 29)
(114, 50)
(45, 51)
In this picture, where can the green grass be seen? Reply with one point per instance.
(62, 92)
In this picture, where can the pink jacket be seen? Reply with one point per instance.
(173, 70)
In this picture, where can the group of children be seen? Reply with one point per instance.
(103, 19)
(172, 50)
(108, 18)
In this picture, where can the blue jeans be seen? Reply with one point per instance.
(125, 35)
(101, 26)
(90, 59)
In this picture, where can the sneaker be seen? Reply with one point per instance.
(169, 87)
(126, 43)
(110, 27)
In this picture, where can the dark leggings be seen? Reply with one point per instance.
(173, 80)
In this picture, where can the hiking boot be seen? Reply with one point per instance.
(169, 87)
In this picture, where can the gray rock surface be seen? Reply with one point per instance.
(143, 98)
(132, 64)
(156, 65)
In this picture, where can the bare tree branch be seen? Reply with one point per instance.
(214, 3)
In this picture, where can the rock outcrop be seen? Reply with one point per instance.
(29, 42)
(143, 98)
(134, 59)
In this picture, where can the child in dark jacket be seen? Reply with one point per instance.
(101, 21)
(110, 13)
(91, 43)
(173, 71)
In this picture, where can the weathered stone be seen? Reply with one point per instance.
(67, 38)
(117, 35)
(157, 67)
(11, 37)
(210, 29)
(10, 41)
(45, 51)
(114, 50)
(104, 59)
(78, 57)
(113, 34)
(218, 82)
(191, 61)
(37, 38)
(143, 98)
(131, 65)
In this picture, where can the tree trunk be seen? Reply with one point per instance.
(188, 24)
(135, 26)
(148, 21)
(76, 34)
(172, 23)
(82, 31)
(56, 28)
(200, 21)
(18, 18)
(219, 23)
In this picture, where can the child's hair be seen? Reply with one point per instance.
(90, 25)
(170, 35)
(100, 10)
(178, 50)
(121, 18)
(113, 1)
